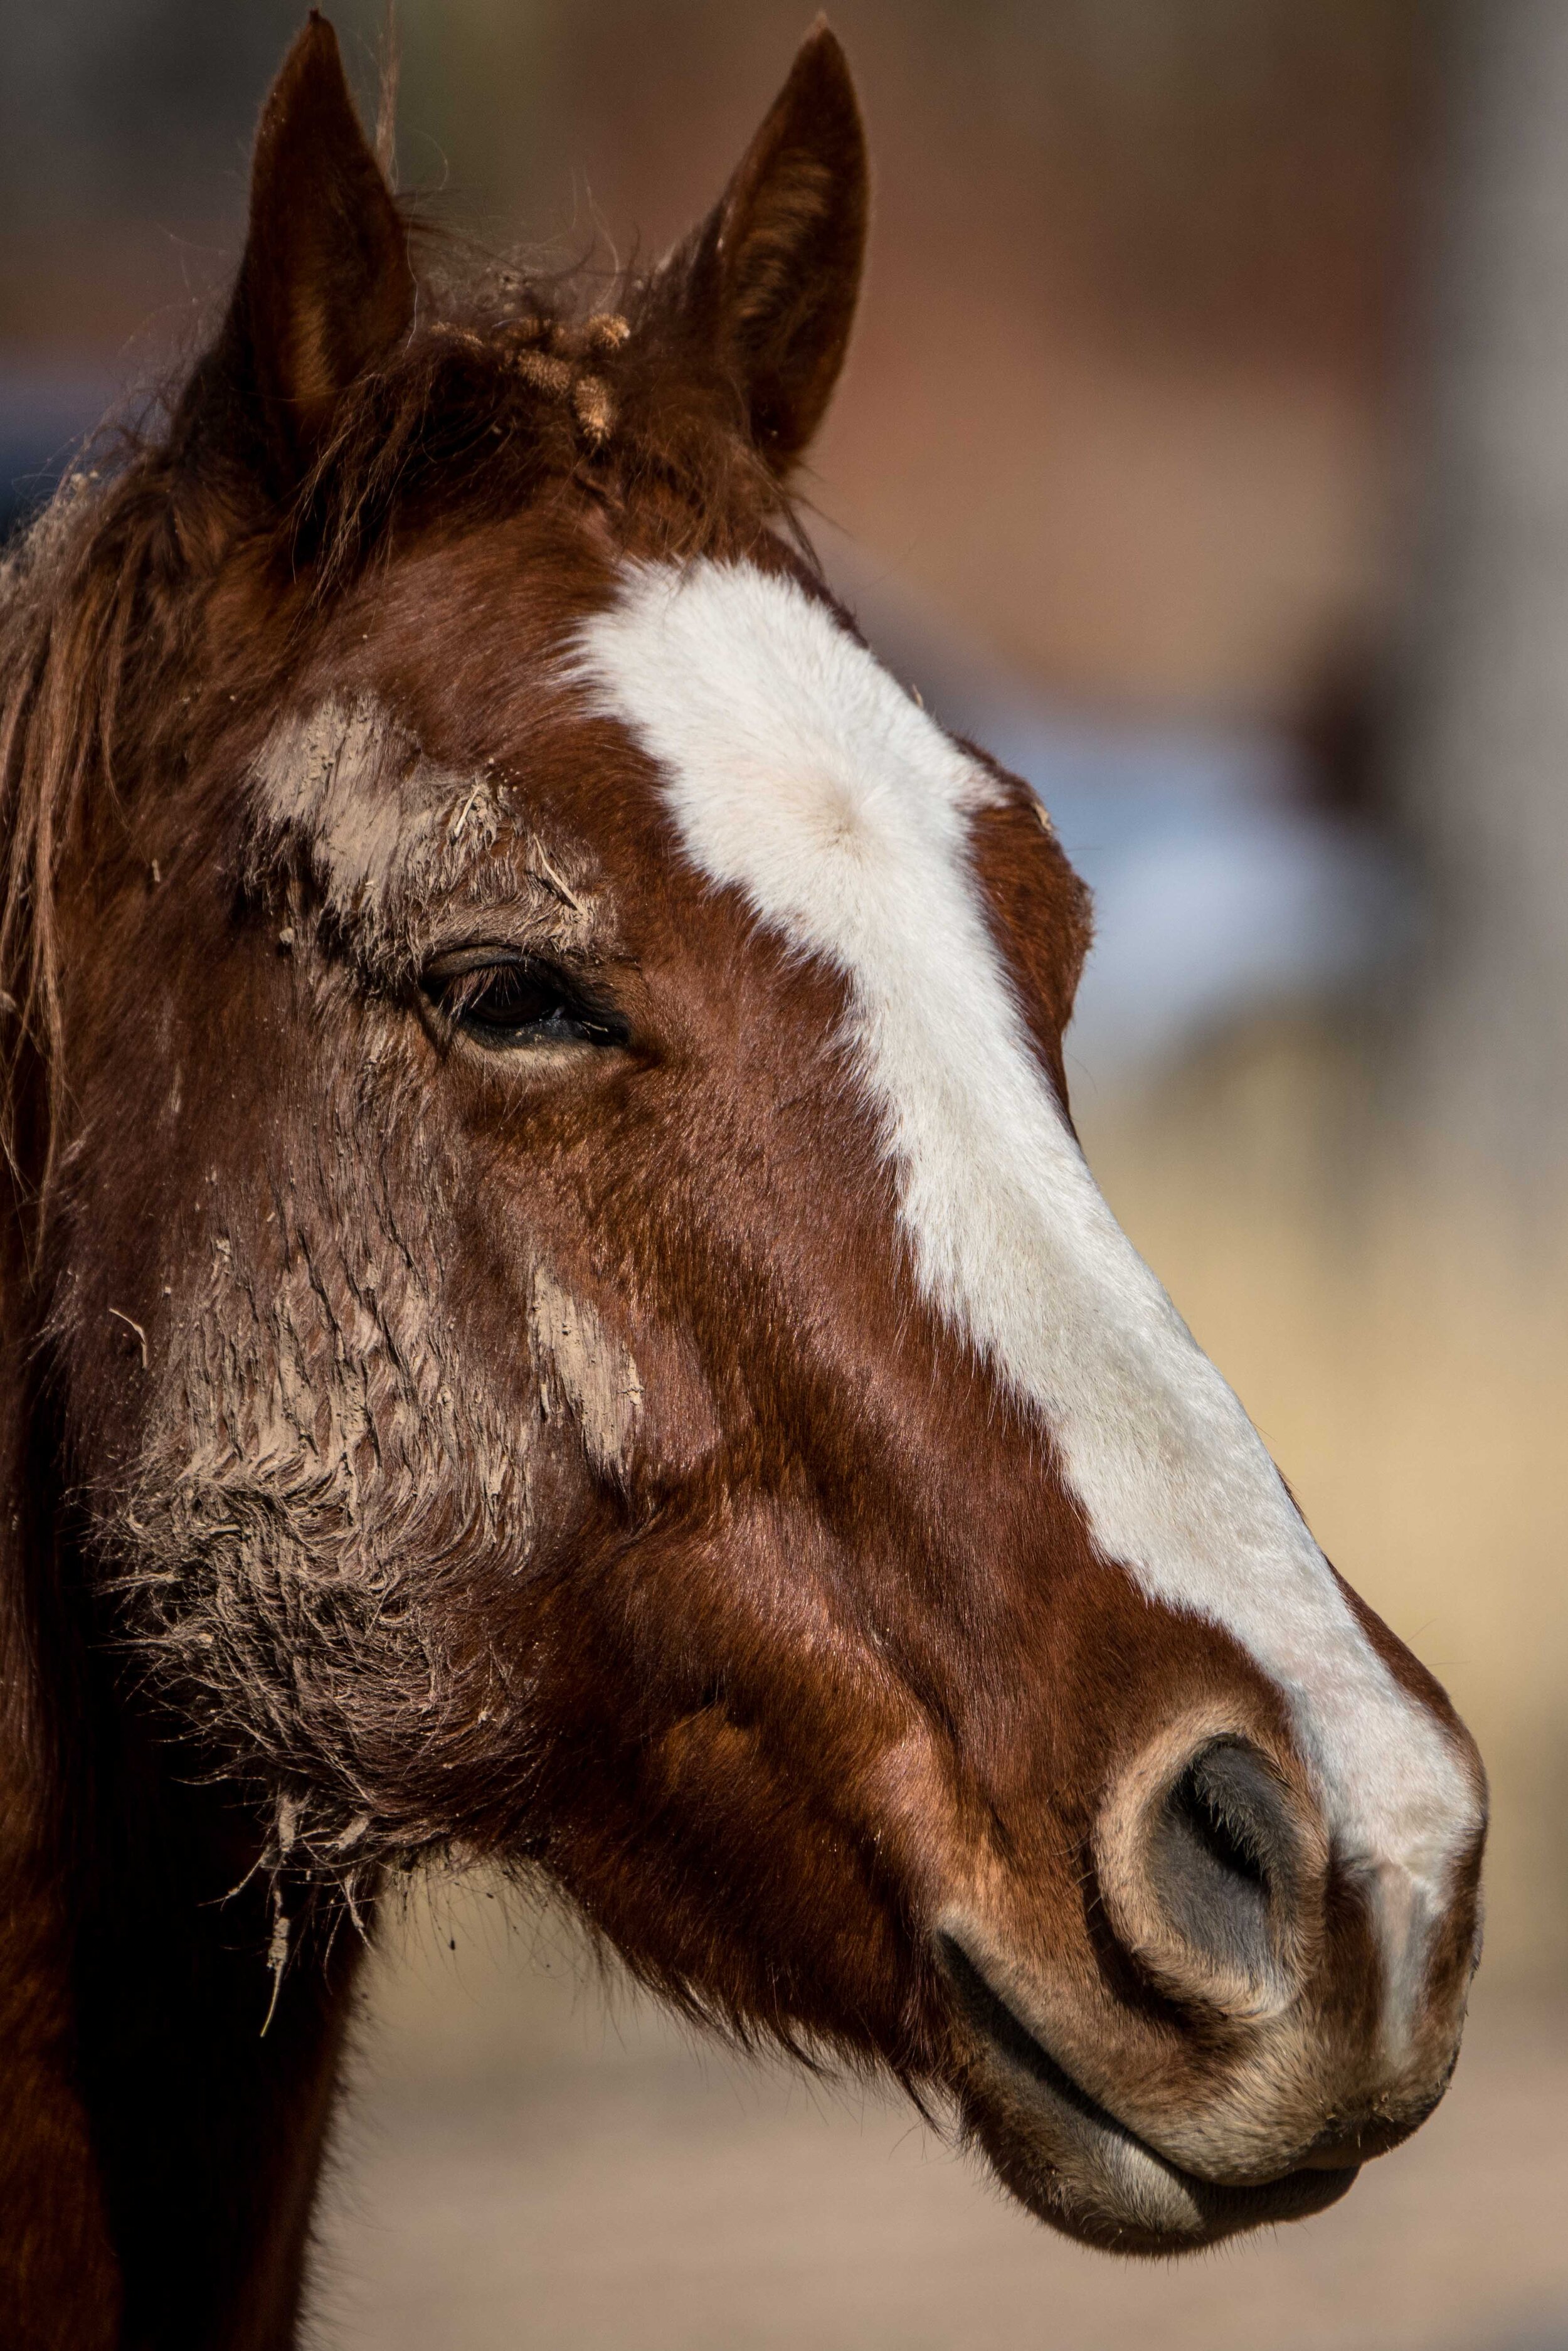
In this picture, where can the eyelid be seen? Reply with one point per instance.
(604, 1024)
(483, 956)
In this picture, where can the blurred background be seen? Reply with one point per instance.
(1205, 451)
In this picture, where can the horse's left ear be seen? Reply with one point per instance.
(776, 266)
(325, 289)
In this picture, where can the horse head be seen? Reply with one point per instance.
(566, 1319)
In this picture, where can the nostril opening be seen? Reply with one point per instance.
(1222, 1862)
(1220, 1826)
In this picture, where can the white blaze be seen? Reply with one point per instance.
(799, 773)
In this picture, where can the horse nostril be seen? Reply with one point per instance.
(1211, 1865)
(1209, 1893)
(1223, 1806)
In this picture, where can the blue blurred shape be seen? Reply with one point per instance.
(47, 407)
(1221, 891)
(1226, 887)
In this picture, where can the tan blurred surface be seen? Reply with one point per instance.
(517, 2174)
(1396, 1330)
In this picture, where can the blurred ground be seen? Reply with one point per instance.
(518, 2174)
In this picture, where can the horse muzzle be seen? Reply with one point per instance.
(1244, 2020)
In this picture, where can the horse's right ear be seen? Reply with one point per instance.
(773, 275)
(325, 290)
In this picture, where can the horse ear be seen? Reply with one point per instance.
(778, 264)
(325, 289)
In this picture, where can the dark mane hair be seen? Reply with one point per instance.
(506, 394)
(77, 594)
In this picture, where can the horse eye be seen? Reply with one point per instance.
(511, 1002)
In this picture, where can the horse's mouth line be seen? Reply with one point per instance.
(988, 2012)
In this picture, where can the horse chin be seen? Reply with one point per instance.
(1093, 2180)
(1076, 2166)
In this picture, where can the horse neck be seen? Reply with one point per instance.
(160, 2159)
(55, 2259)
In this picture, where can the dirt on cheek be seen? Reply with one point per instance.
(584, 1372)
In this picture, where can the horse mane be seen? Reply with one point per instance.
(75, 595)
(502, 395)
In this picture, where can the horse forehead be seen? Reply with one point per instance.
(800, 774)
(789, 757)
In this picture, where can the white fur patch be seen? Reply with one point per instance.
(800, 774)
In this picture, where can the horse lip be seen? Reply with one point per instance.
(994, 2020)
(989, 2012)
(1340, 2146)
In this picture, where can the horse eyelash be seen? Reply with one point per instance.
(463, 990)
(458, 992)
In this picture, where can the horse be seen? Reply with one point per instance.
(556, 1316)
